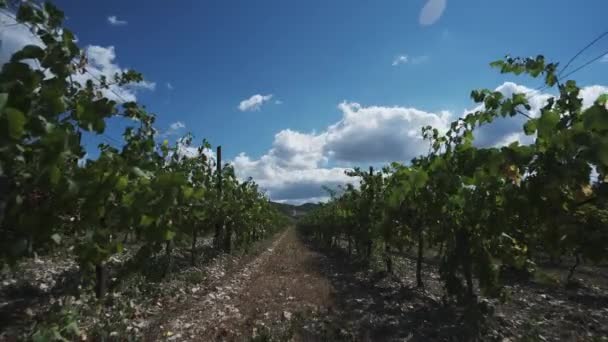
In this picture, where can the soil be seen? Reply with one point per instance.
(288, 289)
(294, 291)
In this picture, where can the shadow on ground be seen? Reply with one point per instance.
(371, 306)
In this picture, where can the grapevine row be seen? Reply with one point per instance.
(155, 192)
(486, 210)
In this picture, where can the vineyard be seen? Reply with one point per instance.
(153, 240)
(487, 214)
(141, 194)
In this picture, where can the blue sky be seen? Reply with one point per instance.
(351, 81)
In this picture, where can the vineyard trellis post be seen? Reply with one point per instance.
(219, 222)
(370, 242)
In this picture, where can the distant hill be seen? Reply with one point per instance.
(295, 211)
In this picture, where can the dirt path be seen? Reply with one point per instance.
(292, 291)
(260, 299)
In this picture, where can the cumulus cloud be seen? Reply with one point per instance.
(288, 184)
(296, 167)
(591, 93)
(254, 103)
(432, 11)
(177, 125)
(380, 134)
(190, 151)
(170, 86)
(174, 129)
(295, 150)
(402, 59)
(604, 59)
(114, 21)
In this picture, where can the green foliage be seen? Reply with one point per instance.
(490, 208)
(141, 186)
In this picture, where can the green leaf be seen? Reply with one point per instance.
(3, 99)
(118, 247)
(551, 79)
(122, 183)
(28, 52)
(187, 191)
(27, 14)
(497, 64)
(140, 173)
(530, 126)
(420, 179)
(478, 95)
(596, 118)
(56, 238)
(602, 154)
(16, 122)
(547, 122)
(55, 16)
(146, 220)
(169, 235)
(601, 100)
(54, 174)
(519, 99)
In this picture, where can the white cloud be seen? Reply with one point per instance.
(278, 102)
(177, 125)
(432, 11)
(289, 185)
(295, 150)
(102, 63)
(254, 103)
(591, 93)
(114, 21)
(170, 86)
(296, 167)
(13, 37)
(380, 134)
(604, 59)
(174, 129)
(190, 151)
(403, 59)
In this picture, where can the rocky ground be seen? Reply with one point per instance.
(296, 292)
(286, 289)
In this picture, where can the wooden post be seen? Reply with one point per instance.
(101, 284)
(370, 242)
(419, 282)
(193, 247)
(219, 223)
